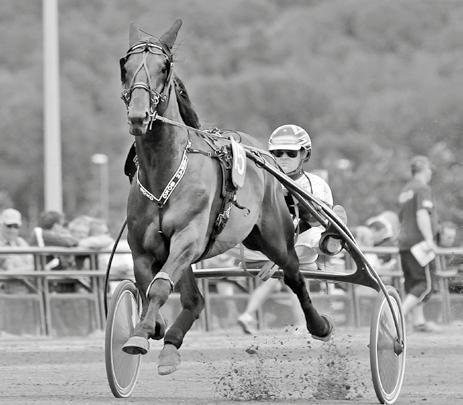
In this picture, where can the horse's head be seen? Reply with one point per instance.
(146, 72)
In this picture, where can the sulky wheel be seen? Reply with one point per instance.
(387, 348)
(124, 313)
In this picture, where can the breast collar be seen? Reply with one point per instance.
(171, 185)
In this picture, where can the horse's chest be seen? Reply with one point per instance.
(168, 221)
(154, 241)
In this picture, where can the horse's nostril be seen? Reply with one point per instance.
(138, 117)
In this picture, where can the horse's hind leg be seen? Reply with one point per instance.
(285, 256)
(192, 304)
(319, 326)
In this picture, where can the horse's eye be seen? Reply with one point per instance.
(165, 67)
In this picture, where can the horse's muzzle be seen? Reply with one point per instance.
(138, 122)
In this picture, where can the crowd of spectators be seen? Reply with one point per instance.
(83, 233)
(86, 234)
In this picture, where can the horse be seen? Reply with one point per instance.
(179, 211)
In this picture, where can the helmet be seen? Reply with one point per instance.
(289, 137)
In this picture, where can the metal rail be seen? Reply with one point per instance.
(42, 295)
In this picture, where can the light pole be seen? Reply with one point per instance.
(101, 161)
(52, 136)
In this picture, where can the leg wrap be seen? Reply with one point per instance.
(161, 275)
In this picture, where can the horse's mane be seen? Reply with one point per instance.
(187, 112)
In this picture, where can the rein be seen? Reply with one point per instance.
(210, 133)
(157, 97)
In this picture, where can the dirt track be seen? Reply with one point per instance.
(216, 369)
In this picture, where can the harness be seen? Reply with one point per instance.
(224, 158)
(222, 152)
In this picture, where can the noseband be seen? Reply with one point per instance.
(154, 96)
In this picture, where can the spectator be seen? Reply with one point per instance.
(447, 238)
(121, 265)
(92, 234)
(79, 228)
(98, 236)
(11, 222)
(365, 237)
(418, 229)
(292, 147)
(100, 239)
(228, 313)
(385, 228)
(447, 235)
(52, 232)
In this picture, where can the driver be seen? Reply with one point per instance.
(292, 147)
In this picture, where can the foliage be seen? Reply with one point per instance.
(374, 82)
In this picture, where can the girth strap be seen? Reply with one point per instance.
(228, 193)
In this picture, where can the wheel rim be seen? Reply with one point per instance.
(389, 367)
(389, 372)
(124, 367)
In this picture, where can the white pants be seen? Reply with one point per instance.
(306, 248)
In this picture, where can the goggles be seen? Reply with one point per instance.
(290, 153)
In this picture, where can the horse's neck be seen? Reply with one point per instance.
(160, 151)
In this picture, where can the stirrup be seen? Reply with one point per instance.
(326, 236)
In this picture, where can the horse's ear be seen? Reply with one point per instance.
(168, 39)
(134, 34)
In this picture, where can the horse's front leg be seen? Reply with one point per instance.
(192, 304)
(151, 325)
(185, 246)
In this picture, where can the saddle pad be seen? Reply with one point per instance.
(239, 164)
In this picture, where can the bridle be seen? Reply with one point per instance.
(155, 97)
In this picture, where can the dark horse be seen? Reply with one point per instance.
(177, 198)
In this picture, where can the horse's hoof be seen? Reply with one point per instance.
(136, 345)
(330, 325)
(169, 359)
